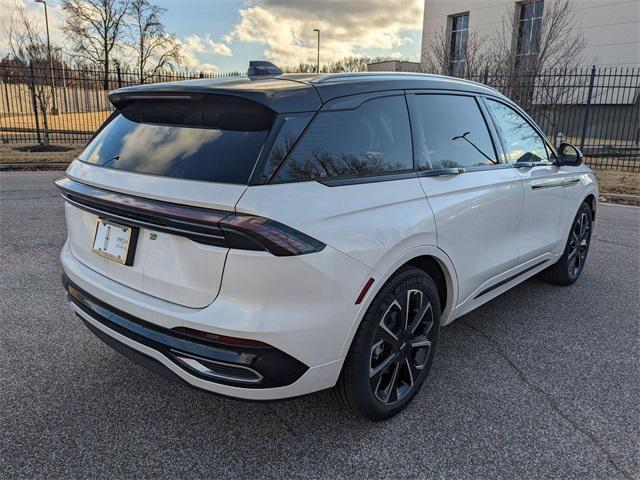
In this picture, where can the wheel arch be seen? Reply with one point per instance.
(434, 262)
(593, 204)
(435, 270)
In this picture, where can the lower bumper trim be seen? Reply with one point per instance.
(133, 354)
(247, 367)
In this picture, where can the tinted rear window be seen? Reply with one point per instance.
(225, 154)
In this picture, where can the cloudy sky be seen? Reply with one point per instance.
(225, 34)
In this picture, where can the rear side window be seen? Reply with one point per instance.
(201, 144)
(522, 142)
(451, 132)
(372, 139)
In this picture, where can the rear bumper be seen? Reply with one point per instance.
(245, 366)
(310, 338)
(159, 359)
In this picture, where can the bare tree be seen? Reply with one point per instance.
(349, 64)
(28, 47)
(543, 78)
(437, 56)
(536, 71)
(560, 42)
(346, 64)
(94, 28)
(300, 68)
(154, 48)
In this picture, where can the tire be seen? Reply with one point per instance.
(567, 270)
(389, 358)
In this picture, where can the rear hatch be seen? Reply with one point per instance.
(156, 178)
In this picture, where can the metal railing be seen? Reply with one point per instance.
(596, 109)
(593, 108)
(32, 111)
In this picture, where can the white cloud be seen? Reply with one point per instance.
(205, 44)
(207, 67)
(35, 13)
(347, 28)
(194, 46)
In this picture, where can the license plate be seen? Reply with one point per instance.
(114, 241)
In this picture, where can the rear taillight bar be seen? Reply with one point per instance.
(202, 225)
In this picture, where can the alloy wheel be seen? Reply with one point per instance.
(579, 244)
(401, 346)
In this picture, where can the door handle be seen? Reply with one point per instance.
(442, 171)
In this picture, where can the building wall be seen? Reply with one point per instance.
(611, 27)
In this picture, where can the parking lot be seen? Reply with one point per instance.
(542, 382)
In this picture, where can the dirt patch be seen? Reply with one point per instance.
(84, 121)
(624, 183)
(43, 148)
(10, 154)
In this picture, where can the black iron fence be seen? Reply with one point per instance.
(39, 104)
(596, 109)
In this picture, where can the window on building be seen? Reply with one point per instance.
(529, 28)
(459, 36)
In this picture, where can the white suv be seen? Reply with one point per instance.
(268, 237)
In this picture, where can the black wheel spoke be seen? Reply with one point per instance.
(380, 368)
(414, 301)
(420, 342)
(388, 389)
(424, 314)
(583, 226)
(391, 325)
(410, 371)
(388, 336)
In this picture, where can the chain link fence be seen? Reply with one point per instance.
(596, 109)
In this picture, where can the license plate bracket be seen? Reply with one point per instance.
(115, 241)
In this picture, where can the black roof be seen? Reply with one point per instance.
(303, 92)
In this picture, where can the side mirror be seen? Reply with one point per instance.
(569, 155)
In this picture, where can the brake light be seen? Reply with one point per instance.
(272, 236)
(202, 225)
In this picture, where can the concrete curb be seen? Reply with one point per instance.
(621, 196)
(620, 199)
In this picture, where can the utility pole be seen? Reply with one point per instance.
(318, 56)
(54, 109)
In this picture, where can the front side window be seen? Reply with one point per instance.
(373, 139)
(523, 143)
(529, 27)
(451, 132)
(459, 36)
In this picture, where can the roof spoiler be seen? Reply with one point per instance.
(261, 68)
(218, 110)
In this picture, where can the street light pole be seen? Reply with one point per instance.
(318, 57)
(54, 109)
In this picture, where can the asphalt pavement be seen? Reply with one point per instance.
(543, 381)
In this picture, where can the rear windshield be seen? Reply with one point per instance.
(218, 152)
